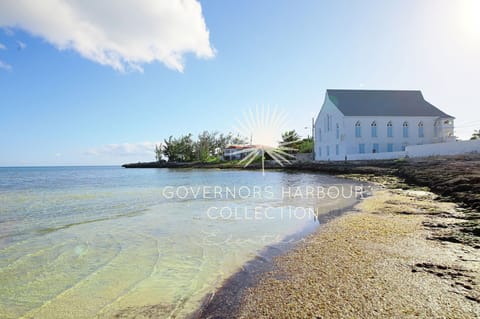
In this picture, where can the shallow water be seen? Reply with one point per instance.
(83, 242)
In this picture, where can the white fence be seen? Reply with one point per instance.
(424, 150)
(452, 148)
(376, 156)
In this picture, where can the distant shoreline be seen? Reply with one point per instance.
(454, 178)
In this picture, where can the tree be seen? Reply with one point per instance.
(158, 152)
(237, 140)
(170, 149)
(475, 135)
(306, 145)
(291, 139)
(186, 148)
(221, 143)
(206, 145)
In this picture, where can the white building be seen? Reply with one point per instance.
(236, 152)
(367, 124)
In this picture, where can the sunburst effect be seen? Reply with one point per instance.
(264, 126)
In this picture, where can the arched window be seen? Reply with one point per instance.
(374, 129)
(319, 134)
(358, 129)
(389, 129)
(338, 131)
(405, 129)
(329, 122)
(437, 128)
(420, 130)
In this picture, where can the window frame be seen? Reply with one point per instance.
(390, 129)
(358, 129)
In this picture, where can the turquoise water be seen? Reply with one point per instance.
(85, 242)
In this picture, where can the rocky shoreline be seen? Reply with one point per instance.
(406, 252)
(455, 178)
(387, 258)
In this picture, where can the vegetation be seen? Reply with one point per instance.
(475, 135)
(207, 148)
(306, 146)
(292, 139)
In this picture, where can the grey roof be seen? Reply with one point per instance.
(383, 103)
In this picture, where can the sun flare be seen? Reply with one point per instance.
(264, 127)
(471, 17)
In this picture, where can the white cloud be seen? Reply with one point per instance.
(5, 66)
(123, 35)
(8, 32)
(21, 45)
(2, 47)
(124, 149)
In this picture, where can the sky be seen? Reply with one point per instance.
(100, 82)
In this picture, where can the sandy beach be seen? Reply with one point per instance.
(377, 262)
(398, 254)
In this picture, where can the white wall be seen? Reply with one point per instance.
(376, 156)
(453, 148)
(326, 137)
(397, 140)
(425, 150)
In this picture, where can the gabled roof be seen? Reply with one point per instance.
(383, 103)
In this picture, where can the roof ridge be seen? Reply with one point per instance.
(383, 103)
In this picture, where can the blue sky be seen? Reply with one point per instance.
(61, 107)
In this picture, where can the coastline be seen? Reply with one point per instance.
(411, 250)
(408, 252)
(455, 178)
(226, 301)
(383, 261)
(384, 258)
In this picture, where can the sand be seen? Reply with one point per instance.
(393, 256)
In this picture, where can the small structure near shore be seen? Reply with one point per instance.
(235, 152)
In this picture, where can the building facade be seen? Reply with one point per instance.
(355, 123)
(235, 152)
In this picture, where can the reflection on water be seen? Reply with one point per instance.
(102, 241)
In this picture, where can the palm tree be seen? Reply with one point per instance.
(291, 139)
(475, 135)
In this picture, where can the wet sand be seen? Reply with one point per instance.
(402, 253)
(391, 257)
(382, 261)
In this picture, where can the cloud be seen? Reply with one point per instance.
(8, 32)
(21, 45)
(124, 35)
(5, 66)
(2, 47)
(124, 149)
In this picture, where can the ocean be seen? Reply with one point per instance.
(86, 242)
